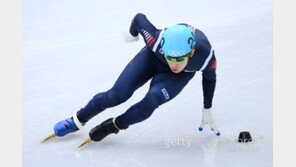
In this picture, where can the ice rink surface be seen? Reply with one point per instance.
(73, 50)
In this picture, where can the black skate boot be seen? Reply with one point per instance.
(101, 131)
(104, 129)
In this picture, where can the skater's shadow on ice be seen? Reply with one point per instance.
(204, 148)
(197, 144)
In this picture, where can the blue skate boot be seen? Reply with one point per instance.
(65, 127)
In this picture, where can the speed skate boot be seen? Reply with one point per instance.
(101, 131)
(69, 125)
(104, 129)
(65, 127)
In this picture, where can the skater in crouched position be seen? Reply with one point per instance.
(171, 58)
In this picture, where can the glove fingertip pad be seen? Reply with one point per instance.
(218, 134)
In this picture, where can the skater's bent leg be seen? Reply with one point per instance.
(141, 110)
(163, 88)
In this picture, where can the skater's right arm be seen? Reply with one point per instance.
(141, 25)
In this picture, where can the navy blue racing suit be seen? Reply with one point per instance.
(148, 64)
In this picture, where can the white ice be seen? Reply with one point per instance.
(73, 50)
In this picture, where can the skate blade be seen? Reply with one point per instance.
(49, 137)
(84, 143)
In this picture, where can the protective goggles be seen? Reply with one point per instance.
(178, 60)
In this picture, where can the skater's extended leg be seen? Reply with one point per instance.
(138, 71)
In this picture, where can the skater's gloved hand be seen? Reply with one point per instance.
(208, 119)
(127, 36)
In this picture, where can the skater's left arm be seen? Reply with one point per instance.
(208, 85)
